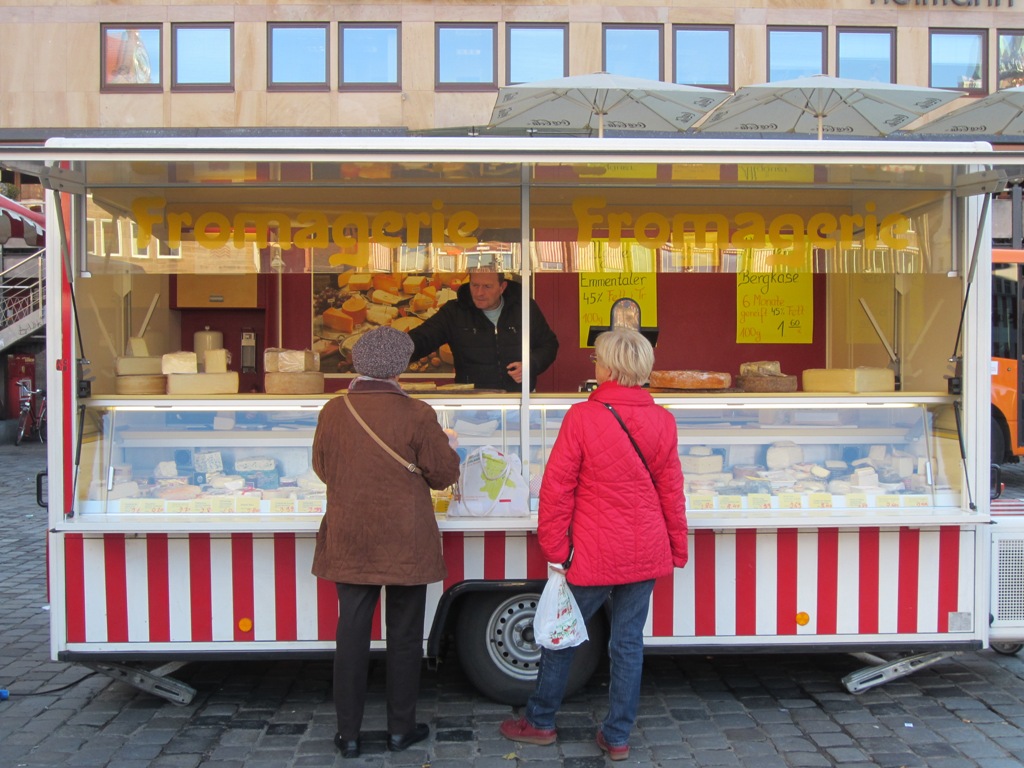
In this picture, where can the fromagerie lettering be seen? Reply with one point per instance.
(349, 230)
(746, 229)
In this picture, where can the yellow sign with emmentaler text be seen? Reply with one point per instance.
(600, 290)
(774, 308)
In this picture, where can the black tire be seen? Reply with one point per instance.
(42, 429)
(22, 426)
(998, 443)
(1007, 649)
(494, 641)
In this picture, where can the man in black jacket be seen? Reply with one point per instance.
(482, 328)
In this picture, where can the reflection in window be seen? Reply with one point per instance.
(131, 57)
(866, 54)
(536, 52)
(369, 56)
(1011, 59)
(202, 56)
(795, 52)
(703, 56)
(297, 56)
(957, 59)
(633, 51)
(466, 56)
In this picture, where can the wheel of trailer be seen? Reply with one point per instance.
(494, 638)
(1007, 649)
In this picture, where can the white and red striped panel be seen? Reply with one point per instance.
(778, 586)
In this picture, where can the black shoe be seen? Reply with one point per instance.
(401, 743)
(348, 747)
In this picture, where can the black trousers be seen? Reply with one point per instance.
(404, 607)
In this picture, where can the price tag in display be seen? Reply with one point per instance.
(282, 506)
(700, 501)
(131, 506)
(791, 501)
(887, 500)
(249, 505)
(759, 501)
(222, 505)
(856, 500)
(730, 502)
(202, 506)
(180, 506)
(311, 506)
(774, 308)
(152, 506)
(916, 501)
(820, 500)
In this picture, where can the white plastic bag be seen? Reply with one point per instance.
(491, 484)
(558, 622)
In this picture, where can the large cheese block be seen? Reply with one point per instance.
(338, 320)
(783, 454)
(862, 379)
(770, 383)
(138, 366)
(690, 380)
(152, 384)
(179, 362)
(202, 383)
(297, 361)
(215, 361)
(701, 465)
(360, 281)
(761, 368)
(302, 383)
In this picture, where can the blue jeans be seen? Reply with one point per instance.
(628, 605)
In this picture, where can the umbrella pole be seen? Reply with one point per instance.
(821, 120)
(600, 125)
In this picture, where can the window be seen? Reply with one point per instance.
(795, 52)
(1011, 58)
(957, 59)
(131, 57)
(467, 57)
(370, 57)
(202, 57)
(866, 54)
(703, 56)
(536, 52)
(297, 57)
(633, 51)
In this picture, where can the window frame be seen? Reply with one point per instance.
(108, 87)
(1000, 33)
(823, 31)
(343, 85)
(511, 27)
(440, 27)
(890, 31)
(297, 86)
(617, 26)
(730, 29)
(982, 88)
(227, 87)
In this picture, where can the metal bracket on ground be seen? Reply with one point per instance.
(883, 672)
(151, 681)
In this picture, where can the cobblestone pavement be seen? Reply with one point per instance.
(750, 711)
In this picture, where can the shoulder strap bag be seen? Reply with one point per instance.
(407, 464)
(635, 446)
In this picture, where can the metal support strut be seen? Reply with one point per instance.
(883, 672)
(154, 681)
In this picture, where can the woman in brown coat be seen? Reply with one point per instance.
(380, 530)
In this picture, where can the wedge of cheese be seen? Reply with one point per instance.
(179, 362)
(414, 284)
(360, 281)
(385, 297)
(863, 379)
(215, 361)
(338, 320)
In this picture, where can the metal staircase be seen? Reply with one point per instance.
(22, 300)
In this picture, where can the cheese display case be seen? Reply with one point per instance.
(781, 456)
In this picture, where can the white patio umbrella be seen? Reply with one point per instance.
(999, 114)
(821, 104)
(601, 101)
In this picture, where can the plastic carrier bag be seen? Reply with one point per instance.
(557, 622)
(491, 484)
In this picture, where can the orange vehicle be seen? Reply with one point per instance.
(1007, 431)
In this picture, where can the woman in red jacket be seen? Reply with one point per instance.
(612, 514)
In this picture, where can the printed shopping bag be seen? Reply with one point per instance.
(491, 484)
(557, 622)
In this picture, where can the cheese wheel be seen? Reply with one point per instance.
(355, 307)
(770, 383)
(302, 383)
(155, 384)
(690, 379)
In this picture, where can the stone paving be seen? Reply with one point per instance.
(768, 711)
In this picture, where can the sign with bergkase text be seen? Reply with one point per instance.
(774, 308)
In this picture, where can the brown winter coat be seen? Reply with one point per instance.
(379, 527)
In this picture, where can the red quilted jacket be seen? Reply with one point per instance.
(623, 530)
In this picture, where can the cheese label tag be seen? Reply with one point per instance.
(180, 506)
(249, 505)
(915, 501)
(282, 506)
(152, 506)
(730, 502)
(132, 506)
(887, 500)
(820, 500)
(222, 505)
(311, 506)
(856, 500)
(791, 501)
(202, 506)
(759, 500)
(700, 501)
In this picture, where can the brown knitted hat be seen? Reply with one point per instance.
(382, 353)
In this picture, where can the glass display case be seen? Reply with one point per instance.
(743, 457)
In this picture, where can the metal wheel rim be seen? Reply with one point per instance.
(510, 644)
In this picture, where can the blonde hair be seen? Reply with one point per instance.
(627, 355)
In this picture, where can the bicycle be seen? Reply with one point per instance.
(33, 413)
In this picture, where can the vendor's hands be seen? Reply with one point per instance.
(515, 370)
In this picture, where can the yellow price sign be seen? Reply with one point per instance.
(774, 308)
(600, 290)
(759, 500)
(730, 502)
(700, 501)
